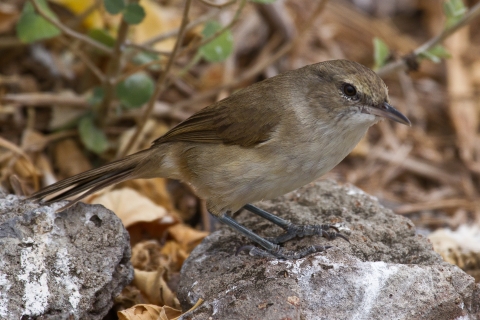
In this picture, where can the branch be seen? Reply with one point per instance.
(71, 32)
(263, 62)
(219, 32)
(88, 62)
(112, 73)
(161, 83)
(410, 59)
(217, 5)
(175, 32)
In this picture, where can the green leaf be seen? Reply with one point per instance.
(114, 6)
(454, 11)
(136, 90)
(219, 48)
(96, 96)
(32, 27)
(147, 57)
(91, 136)
(263, 1)
(102, 36)
(436, 54)
(381, 52)
(134, 13)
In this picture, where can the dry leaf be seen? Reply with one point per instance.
(69, 158)
(8, 16)
(132, 207)
(460, 247)
(186, 236)
(158, 20)
(154, 285)
(151, 312)
(155, 189)
(33, 141)
(63, 116)
(176, 255)
(147, 256)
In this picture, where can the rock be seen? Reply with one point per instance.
(67, 265)
(386, 272)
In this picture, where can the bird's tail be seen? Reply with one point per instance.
(92, 180)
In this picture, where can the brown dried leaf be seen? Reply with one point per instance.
(33, 141)
(69, 158)
(154, 285)
(462, 107)
(155, 189)
(8, 16)
(149, 312)
(147, 256)
(132, 207)
(187, 237)
(176, 255)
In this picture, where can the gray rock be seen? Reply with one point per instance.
(67, 265)
(386, 272)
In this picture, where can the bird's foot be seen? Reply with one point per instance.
(293, 230)
(280, 253)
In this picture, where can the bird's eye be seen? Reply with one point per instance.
(349, 90)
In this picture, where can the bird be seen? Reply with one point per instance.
(261, 142)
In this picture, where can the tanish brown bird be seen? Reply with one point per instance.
(259, 143)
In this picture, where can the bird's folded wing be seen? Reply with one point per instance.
(239, 122)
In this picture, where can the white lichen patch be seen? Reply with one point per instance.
(34, 275)
(370, 285)
(64, 278)
(5, 286)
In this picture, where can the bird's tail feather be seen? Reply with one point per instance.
(92, 180)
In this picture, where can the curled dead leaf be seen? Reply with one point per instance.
(154, 285)
(132, 207)
(187, 237)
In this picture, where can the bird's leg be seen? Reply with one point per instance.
(270, 249)
(293, 230)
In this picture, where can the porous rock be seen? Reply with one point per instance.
(387, 271)
(67, 265)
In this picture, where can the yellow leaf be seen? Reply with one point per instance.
(158, 20)
(93, 20)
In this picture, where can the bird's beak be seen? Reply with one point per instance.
(387, 111)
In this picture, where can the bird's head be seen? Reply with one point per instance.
(350, 92)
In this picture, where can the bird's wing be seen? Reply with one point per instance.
(238, 120)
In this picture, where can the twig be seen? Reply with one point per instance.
(161, 83)
(437, 204)
(71, 32)
(42, 99)
(219, 32)
(263, 63)
(89, 63)
(112, 73)
(135, 70)
(412, 58)
(217, 5)
(175, 32)
(146, 48)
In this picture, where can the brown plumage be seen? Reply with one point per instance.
(259, 143)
